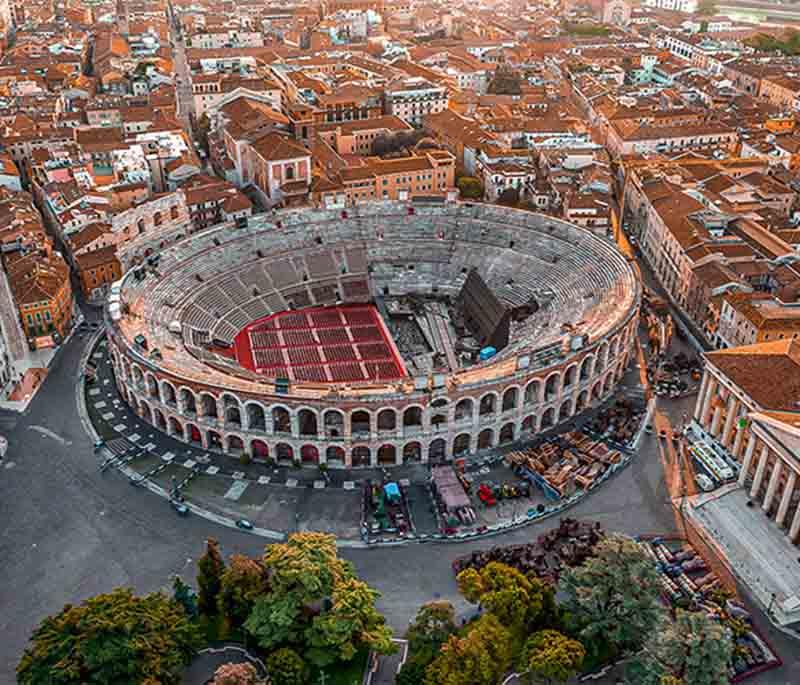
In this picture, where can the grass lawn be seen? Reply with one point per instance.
(351, 673)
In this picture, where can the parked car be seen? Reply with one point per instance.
(244, 524)
(704, 482)
(179, 507)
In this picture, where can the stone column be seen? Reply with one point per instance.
(773, 484)
(701, 396)
(737, 443)
(294, 425)
(788, 490)
(716, 420)
(710, 392)
(748, 457)
(762, 466)
(795, 528)
(730, 420)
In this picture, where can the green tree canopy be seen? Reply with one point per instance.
(242, 583)
(514, 598)
(481, 657)
(614, 595)
(285, 667)
(551, 657)
(693, 649)
(210, 568)
(112, 639)
(433, 624)
(470, 187)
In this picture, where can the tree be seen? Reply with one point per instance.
(285, 667)
(481, 657)
(109, 639)
(514, 598)
(614, 595)
(694, 649)
(434, 623)
(210, 568)
(470, 187)
(351, 622)
(202, 129)
(185, 596)
(235, 674)
(241, 584)
(551, 657)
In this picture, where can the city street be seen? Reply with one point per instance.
(71, 531)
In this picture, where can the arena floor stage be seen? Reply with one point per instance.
(339, 344)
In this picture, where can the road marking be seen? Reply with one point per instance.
(94, 391)
(120, 428)
(107, 416)
(291, 482)
(134, 437)
(212, 470)
(238, 475)
(100, 404)
(319, 485)
(168, 457)
(51, 434)
(189, 463)
(236, 490)
(263, 480)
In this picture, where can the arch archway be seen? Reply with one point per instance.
(175, 427)
(284, 452)
(439, 421)
(551, 386)
(487, 404)
(160, 422)
(510, 399)
(361, 456)
(334, 454)
(485, 439)
(168, 393)
(565, 411)
(281, 420)
(259, 449)
(582, 402)
(193, 434)
(437, 450)
(549, 418)
(597, 390)
(333, 420)
(464, 409)
(214, 440)
(208, 405)
(307, 421)
(570, 377)
(412, 452)
(387, 420)
(528, 424)
(233, 416)
(387, 454)
(412, 417)
(309, 454)
(360, 422)
(507, 433)
(586, 368)
(256, 417)
(532, 392)
(461, 445)
(235, 444)
(187, 401)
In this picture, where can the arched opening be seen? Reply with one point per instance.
(549, 418)
(281, 421)
(532, 392)
(175, 427)
(187, 401)
(510, 399)
(235, 444)
(582, 401)
(485, 438)
(412, 452)
(140, 226)
(157, 219)
(168, 392)
(209, 405)
(284, 452)
(334, 454)
(607, 384)
(387, 454)
(586, 368)
(161, 422)
(334, 423)
(551, 387)
(259, 449)
(256, 419)
(439, 403)
(597, 390)
(529, 424)
(214, 440)
(487, 405)
(146, 412)
(193, 433)
(570, 376)
(602, 357)
(507, 434)
(233, 416)
(387, 420)
(307, 421)
(412, 417)
(309, 454)
(360, 422)
(437, 450)
(138, 378)
(464, 410)
(361, 456)
(461, 445)
(565, 411)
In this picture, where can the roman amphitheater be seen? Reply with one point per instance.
(381, 334)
